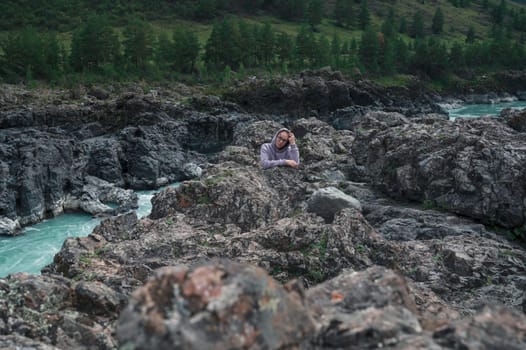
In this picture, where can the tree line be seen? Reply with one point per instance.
(65, 15)
(97, 50)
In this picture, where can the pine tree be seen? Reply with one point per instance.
(23, 53)
(388, 26)
(322, 55)
(138, 44)
(369, 50)
(186, 50)
(94, 44)
(402, 54)
(470, 36)
(314, 12)
(164, 51)
(456, 56)
(284, 48)
(499, 12)
(438, 22)
(364, 17)
(389, 58)
(417, 27)
(305, 48)
(336, 51)
(343, 13)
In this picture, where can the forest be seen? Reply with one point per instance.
(60, 41)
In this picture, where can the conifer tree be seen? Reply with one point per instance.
(388, 26)
(336, 51)
(417, 26)
(364, 17)
(164, 51)
(284, 48)
(94, 44)
(343, 13)
(314, 12)
(305, 48)
(470, 36)
(186, 50)
(456, 56)
(138, 43)
(322, 55)
(267, 44)
(369, 50)
(438, 22)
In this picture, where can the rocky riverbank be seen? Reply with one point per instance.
(383, 238)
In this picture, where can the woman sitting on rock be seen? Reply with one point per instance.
(281, 151)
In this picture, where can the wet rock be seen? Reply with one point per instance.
(223, 306)
(9, 227)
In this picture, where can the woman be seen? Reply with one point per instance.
(281, 151)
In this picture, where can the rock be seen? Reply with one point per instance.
(377, 313)
(95, 298)
(192, 170)
(223, 305)
(326, 202)
(515, 119)
(9, 227)
(15, 341)
(450, 165)
(492, 326)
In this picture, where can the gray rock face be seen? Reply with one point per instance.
(470, 167)
(220, 306)
(328, 201)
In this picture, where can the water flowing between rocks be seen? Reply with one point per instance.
(38, 244)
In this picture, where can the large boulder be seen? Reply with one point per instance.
(222, 305)
(328, 201)
(470, 167)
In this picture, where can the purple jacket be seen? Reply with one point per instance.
(271, 156)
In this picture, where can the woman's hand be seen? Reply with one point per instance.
(291, 163)
(292, 139)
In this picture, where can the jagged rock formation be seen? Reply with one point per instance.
(240, 258)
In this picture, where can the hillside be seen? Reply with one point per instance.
(381, 38)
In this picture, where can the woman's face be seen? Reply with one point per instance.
(282, 139)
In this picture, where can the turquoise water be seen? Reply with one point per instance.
(36, 247)
(478, 110)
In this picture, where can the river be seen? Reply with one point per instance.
(38, 244)
(477, 110)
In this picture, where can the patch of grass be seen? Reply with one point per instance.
(204, 199)
(317, 275)
(429, 204)
(85, 259)
(360, 248)
(101, 250)
(437, 258)
(394, 80)
(319, 248)
(214, 180)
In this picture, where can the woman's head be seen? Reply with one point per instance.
(282, 139)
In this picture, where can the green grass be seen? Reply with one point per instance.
(394, 80)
